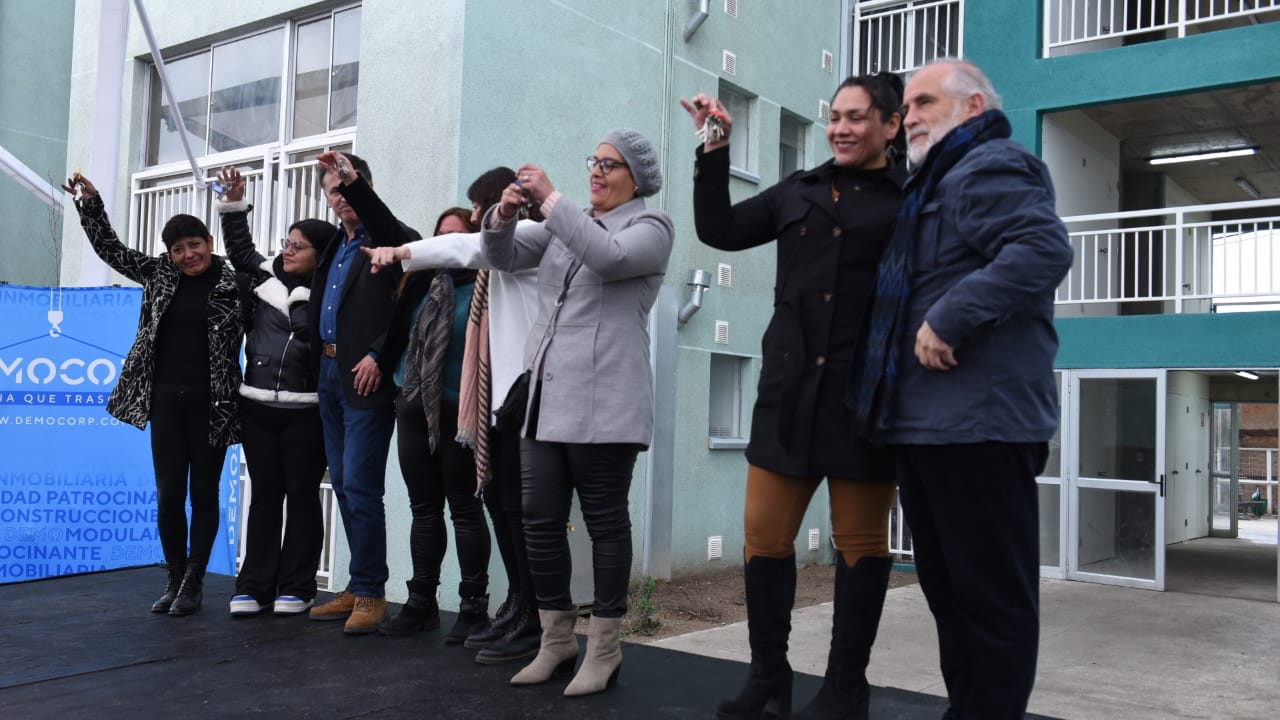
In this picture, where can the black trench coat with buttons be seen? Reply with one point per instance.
(822, 297)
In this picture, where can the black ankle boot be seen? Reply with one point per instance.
(419, 613)
(771, 591)
(859, 598)
(506, 615)
(523, 638)
(171, 587)
(191, 594)
(473, 616)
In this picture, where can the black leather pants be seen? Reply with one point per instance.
(601, 475)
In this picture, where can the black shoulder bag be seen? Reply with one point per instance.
(510, 417)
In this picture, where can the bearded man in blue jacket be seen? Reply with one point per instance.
(958, 379)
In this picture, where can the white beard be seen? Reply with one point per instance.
(916, 152)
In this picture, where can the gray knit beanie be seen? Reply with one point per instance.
(641, 159)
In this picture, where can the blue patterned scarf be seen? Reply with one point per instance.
(871, 390)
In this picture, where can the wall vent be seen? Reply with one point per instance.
(715, 547)
(815, 538)
(824, 110)
(729, 63)
(731, 8)
(724, 275)
(828, 62)
(722, 332)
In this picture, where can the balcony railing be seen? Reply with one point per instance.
(280, 182)
(901, 37)
(1073, 22)
(1180, 256)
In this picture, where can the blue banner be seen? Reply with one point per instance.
(77, 490)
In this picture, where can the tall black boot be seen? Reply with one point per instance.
(502, 620)
(521, 642)
(771, 591)
(473, 616)
(419, 613)
(859, 598)
(191, 594)
(165, 601)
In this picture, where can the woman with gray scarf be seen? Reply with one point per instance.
(590, 408)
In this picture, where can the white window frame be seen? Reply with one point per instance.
(743, 152)
(726, 401)
(790, 121)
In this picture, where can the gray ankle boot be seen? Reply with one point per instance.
(558, 652)
(603, 662)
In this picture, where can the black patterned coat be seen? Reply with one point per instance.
(131, 400)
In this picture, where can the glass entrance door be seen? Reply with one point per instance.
(1224, 470)
(1116, 475)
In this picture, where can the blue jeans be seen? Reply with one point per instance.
(356, 443)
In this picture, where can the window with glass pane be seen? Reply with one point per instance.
(1118, 429)
(346, 69)
(791, 143)
(326, 74)
(311, 79)
(189, 79)
(725, 400)
(245, 105)
(741, 153)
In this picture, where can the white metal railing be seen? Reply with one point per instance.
(901, 37)
(1073, 22)
(281, 182)
(1178, 255)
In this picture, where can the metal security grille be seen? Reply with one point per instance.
(901, 37)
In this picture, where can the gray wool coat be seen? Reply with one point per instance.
(593, 376)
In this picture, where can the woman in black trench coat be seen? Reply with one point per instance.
(831, 224)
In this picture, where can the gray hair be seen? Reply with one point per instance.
(967, 79)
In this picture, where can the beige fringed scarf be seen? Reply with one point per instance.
(477, 379)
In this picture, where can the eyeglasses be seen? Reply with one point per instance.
(295, 245)
(606, 164)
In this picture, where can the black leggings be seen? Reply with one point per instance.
(285, 451)
(180, 452)
(601, 475)
(449, 472)
(502, 497)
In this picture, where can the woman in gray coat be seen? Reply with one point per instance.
(590, 408)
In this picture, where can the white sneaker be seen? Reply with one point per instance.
(245, 605)
(291, 605)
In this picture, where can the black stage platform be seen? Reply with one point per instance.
(87, 647)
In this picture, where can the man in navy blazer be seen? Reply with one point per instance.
(350, 311)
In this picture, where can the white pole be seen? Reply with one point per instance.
(104, 143)
(27, 178)
(168, 92)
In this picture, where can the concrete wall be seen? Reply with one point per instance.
(35, 72)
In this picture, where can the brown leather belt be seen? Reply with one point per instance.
(330, 349)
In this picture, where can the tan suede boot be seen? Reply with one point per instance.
(603, 662)
(558, 652)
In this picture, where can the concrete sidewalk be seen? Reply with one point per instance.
(1105, 652)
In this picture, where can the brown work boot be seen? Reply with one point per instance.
(339, 608)
(368, 613)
